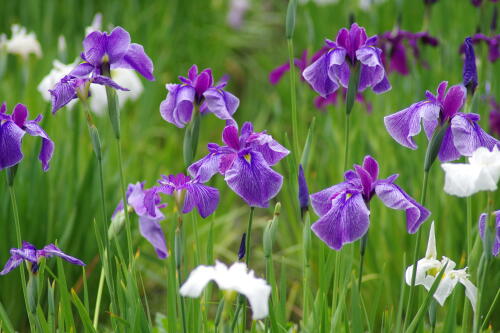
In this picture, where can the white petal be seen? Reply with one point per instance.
(461, 179)
(470, 291)
(197, 281)
(446, 286)
(422, 277)
(431, 252)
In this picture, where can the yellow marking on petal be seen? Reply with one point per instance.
(248, 158)
(348, 195)
(433, 271)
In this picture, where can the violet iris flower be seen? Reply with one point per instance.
(245, 162)
(191, 191)
(462, 137)
(303, 191)
(149, 224)
(482, 225)
(344, 208)
(334, 67)
(30, 254)
(200, 90)
(470, 70)
(12, 129)
(394, 54)
(494, 119)
(492, 42)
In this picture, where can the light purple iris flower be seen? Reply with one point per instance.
(149, 224)
(344, 208)
(30, 254)
(462, 137)
(200, 90)
(77, 84)
(482, 225)
(245, 162)
(191, 191)
(114, 49)
(334, 67)
(12, 129)
(393, 45)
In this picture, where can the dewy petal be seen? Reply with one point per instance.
(47, 150)
(468, 135)
(118, 43)
(11, 137)
(151, 230)
(52, 250)
(322, 201)
(205, 198)
(253, 180)
(405, 124)
(454, 100)
(317, 76)
(221, 103)
(94, 48)
(177, 108)
(347, 221)
(394, 197)
(137, 59)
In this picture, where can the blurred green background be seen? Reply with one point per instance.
(60, 205)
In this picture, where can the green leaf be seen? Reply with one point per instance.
(82, 311)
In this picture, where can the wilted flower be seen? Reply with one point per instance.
(469, 71)
(462, 137)
(149, 224)
(235, 278)
(200, 90)
(429, 267)
(23, 43)
(334, 67)
(343, 208)
(394, 54)
(480, 174)
(12, 129)
(482, 227)
(245, 162)
(30, 254)
(189, 193)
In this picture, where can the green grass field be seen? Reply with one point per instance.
(312, 291)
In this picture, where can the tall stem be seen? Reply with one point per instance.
(178, 266)
(468, 229)
(98, 300)
(125, 203)
(293, 100)
(352, 90)
(362, 251)
(346, 141)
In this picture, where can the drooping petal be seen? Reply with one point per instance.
(405, 124)
(52, 250)
(448, 151)
(94, 48)
(206, 167)
(317, 76)
(394, 197)
(253, 180)
(322, 201)
(470, 291)
(271, 150)
(445, 287)
(177, 108)
(11, 137)
(277, 73)
(63, 93)
(47, 149)
(383, 86)
(106, 81)
(152, 231)
(372, 70)
(12, 263)
(204, 198)
(347, 220)
(468, 135)
(117, 44)
(82, 70)
(221, 103)
(137, 59)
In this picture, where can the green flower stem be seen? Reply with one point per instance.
(102, 277)
(293, 100)
(468, 231)
(178, 266)
(352, 90)
(362, 250)
(346, 141)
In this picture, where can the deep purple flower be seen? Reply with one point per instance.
(149, 222)
(334, 67)
(30, 254)
(476, 3)
(200, 90)
(12, 129)
(190, 191)
(114, 49)
(493, 43)
(462, 137)
(321, 102)
(303, 190)
(469, 71)
(393, 45)
(76, 85)
(245, 162)
(344, 208)
(243, 249)
(482, 226)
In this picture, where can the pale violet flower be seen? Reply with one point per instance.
(23, 43)
(429, 267)
(480, 174)
(235, 278)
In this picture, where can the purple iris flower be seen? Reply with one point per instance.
(394, 54)
(482, 225)
(114, 49)
(149, 224)
(30, 254)
(191, 191)
(334, 67)
(462, 137)
(200, 90)
(493, 43)
(12, 129)
(469, 71)
(344, 208)
(76, 85)
(494, 118)
(245, 162)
